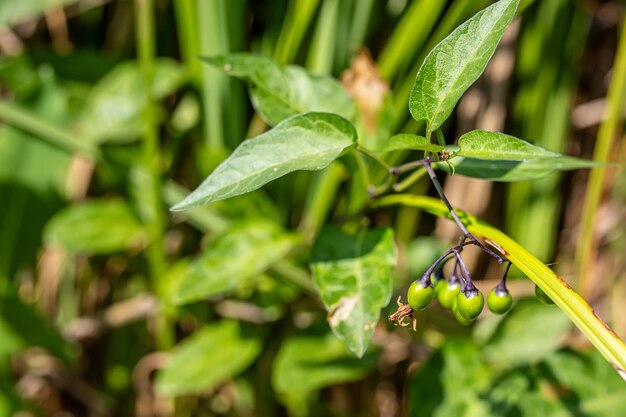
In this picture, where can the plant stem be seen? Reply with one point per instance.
(21, 118)
(400, 169)
(187, 29)
(608, 130)
(320, 198)
(433, 178)
(362, 166)
(455, 217)
(440, 138)
(322, 49)
(375, 157)
(447, 253)
(506, 271)
(469, 285)
(410, 180)
(150, 176)
(213, 32)
(297, 19)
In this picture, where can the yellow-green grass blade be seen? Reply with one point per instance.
(573, 305)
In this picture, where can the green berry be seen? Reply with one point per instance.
(460, 318)
(542, 296)
(499, 301)
(439, 285)
(420, 295)
(470, 304)
(447, 292)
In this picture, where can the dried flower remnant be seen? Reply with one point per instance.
(403, 311)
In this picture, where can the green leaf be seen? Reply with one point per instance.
(508, 171)
(207, 358)
(529, 332)
(241, 252)
(591, 382)
(279, 92)
(580, 313)
(309, 363)
(481, 144)
(308, 141)
(451, 381)
(18, 75)
(456, 62)
(33, 177)
(96, 227)
(409, 142)
(114, 106)
(354, 276)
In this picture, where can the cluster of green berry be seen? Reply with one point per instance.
(459, 294)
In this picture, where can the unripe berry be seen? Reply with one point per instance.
(470, 304)
(462, 320)
(420, 295)
(447, 292)
(499, 300)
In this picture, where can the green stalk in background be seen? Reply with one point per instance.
(187, 28)
(322, 193)
(219, 28)
(360, 22)
(322, 50)
(609, 130)
(354, 18)
(147, 181)
(547, 88)
(324, 185)
(409, 36)
(22, 118)
(296, 23)
(213, 35)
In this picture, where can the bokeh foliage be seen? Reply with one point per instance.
(109, 117)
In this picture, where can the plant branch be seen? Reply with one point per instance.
(574, 306)
(455, 217)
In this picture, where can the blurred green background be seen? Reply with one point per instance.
(107, 118)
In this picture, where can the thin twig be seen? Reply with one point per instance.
(431, 172)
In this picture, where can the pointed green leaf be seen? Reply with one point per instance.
(308, 141)
(96, 227)
(456, 62)
(481, 144)
(207, 358)
(354, 276)
(409, 142)
(240, 252)
(279, 92)
(508, 171)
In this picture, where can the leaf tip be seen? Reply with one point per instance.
(178, 207)
(187, 203)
